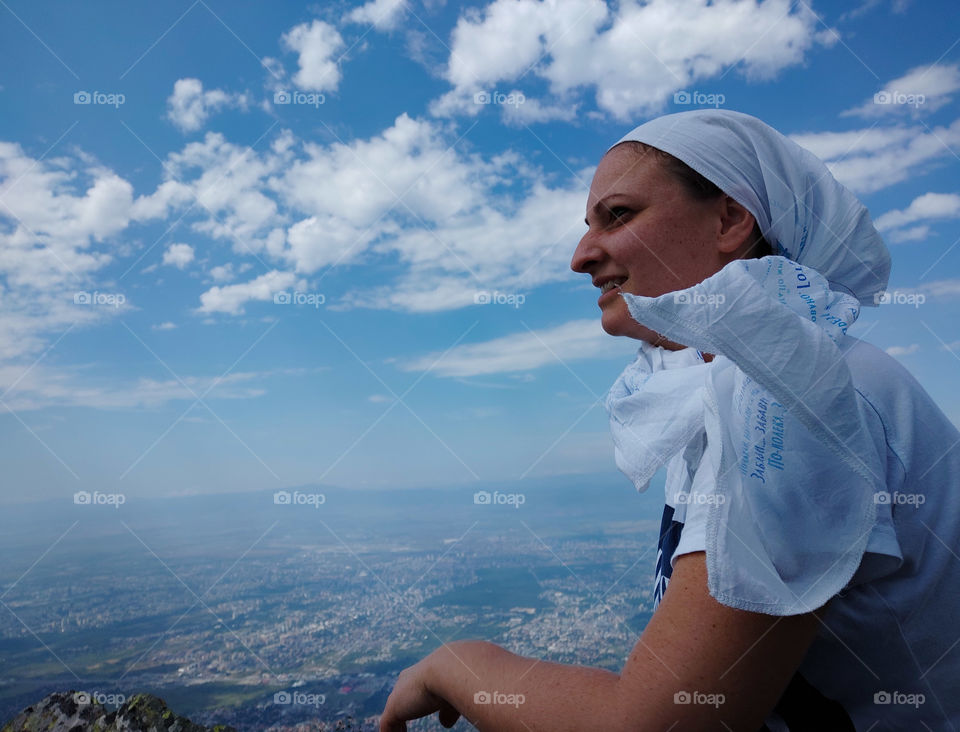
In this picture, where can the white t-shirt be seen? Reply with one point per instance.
(889, 655)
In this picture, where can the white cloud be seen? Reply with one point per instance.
(319, 241)
(896, 6)
(316, 43)
(45, 386)
(165, 326)
(922, 89)
(402, 194)
(178, 255)
(408, 167)
(384, 15)
(59, 228)
(833, 145)
(927, 207)
(45, 204)
(946, 289)
(531, 111)
(903, 350)
(370, 195)
(871, 159)
(231, 298)
(914, 233)
(526, 350)
(168, 195)
(634, 58)
(189, 106)
(226, 272)
(231, 185)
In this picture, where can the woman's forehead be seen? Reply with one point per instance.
(625, 170)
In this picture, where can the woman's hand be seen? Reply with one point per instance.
(411, 699)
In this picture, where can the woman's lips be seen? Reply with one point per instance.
(608, 295)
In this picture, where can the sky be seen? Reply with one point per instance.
(248, 245)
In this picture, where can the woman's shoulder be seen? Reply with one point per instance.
(911, 418)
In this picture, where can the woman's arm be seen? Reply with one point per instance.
(697, 664)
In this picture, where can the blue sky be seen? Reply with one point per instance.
(246, 245)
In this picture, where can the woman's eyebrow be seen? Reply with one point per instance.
(603, 203)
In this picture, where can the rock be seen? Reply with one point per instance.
(76, 711)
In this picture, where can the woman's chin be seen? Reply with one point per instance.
(617, 322)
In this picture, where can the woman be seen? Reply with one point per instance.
(805, 578)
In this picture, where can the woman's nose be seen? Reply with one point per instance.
(586, 255)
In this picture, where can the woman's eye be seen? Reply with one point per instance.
(618, 212)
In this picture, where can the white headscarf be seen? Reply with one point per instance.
(775, 417)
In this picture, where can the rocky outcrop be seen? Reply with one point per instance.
(76, 711)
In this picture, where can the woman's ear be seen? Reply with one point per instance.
(736, 227)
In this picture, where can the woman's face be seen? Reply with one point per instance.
(646, 234)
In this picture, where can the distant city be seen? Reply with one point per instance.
(275, 609)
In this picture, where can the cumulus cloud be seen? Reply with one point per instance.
(316, 43)
(633, 58)
(870, 159)
(230, 184)
(384, 15)
(403, 194)
(178, 255)
(189, 106)
(526, 350)
(945, 289)
(529, 111)
(226, 272)
(231, 299)
(928, 207)
(319, 241)
(449, 219)
(914, 233)
(923, 89)
(903, 350)
(59, 228)
(450, 263)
